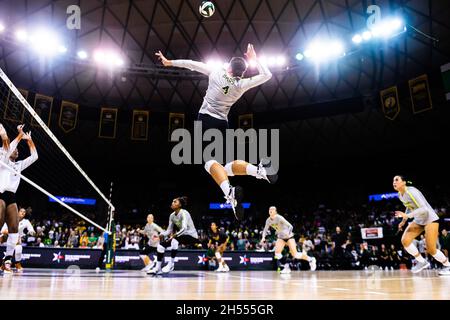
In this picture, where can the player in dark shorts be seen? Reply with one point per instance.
(217, 245)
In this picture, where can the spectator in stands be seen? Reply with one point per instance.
(339, 242)
(395, 259)
(384, 257)
(445, 242)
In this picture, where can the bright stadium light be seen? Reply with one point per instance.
(45, 42)
(21, 35)
(357, 39)
(280, 61)
(325, 50)
(263, 60)
(388, 28)
(108, 58)
(299, 56)
(82, 54)
(62, 49)
(252, 63)
(2, 27)
(367, 35)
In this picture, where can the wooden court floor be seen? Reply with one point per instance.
(74, 284)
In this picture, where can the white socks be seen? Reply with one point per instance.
(226, 187)
(439, 256)
(412, 250)
(252, 170)
(11, 243)
(18, 253)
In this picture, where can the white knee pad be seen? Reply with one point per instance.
(278, 256)
(18, 253)
(218, 256)
(174, 244)
(209, 164)
(229, 169)
(160, 249)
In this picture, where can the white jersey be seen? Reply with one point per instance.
(10, 181)
(4, 158)
(183, 223)
(417, 206)
(23, 224)
(223, 90)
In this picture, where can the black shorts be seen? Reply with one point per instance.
(8, 197)
(287, 239)
(148, 250)
(209, 122)
(183, 239)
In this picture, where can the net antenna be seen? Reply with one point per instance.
(110, 210)
(25, 103)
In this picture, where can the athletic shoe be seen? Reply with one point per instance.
(312, 264)
(445, 271)
(420, 266)
(220, 268)
(226, 268)
(6, 266)
(19, 267)
(286, 269)
(235, 199)
(168, 268)
(265, 172)
(148, 267)
(155, 270)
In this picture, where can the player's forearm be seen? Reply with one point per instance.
(417, 212)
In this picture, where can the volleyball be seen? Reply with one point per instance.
(207, 9)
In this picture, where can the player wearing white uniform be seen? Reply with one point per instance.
(425, 220)
(285, 237)
(24, 224)
(181, 230)
(225, 87)
(8, 188)
(152, 232)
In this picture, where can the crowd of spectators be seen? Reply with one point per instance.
(334, 233)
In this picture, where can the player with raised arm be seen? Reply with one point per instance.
(225, 87)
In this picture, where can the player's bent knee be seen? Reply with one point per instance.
(229, 169)
(209, 164)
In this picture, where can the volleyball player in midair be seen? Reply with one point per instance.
(181, 230)
(152, 232)
(283, 230)
(425, 220)
(225, 87)
(9, 185)
(218, 244)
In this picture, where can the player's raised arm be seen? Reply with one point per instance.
(187, 64)
(264, 72)
(33, 152)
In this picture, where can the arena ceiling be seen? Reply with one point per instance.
(138, 28)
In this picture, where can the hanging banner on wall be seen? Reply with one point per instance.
(43, 107)
(68, 116)
(14, 109)
(139, 128)
(445, 70)
(420, 94)
(108, 123)
(390, 103)
(176, 121)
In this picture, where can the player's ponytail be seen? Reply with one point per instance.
(183, 201)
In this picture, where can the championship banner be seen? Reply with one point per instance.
(245, 121)
(176, 121)
(390, 103)
(139, 129)
(108, 123)
(43, 107)
(445, 69)
(68, 116)
(371, 233)
(420, 94)
(14, 109)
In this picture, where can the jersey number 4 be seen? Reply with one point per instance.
(225, 90)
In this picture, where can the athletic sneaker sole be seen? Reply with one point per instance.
(238, 196)
(424, 267)
(273, 178)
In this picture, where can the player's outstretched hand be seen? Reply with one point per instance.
(250, 54)
(20, 128)
(399, 214)
(166, 62)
